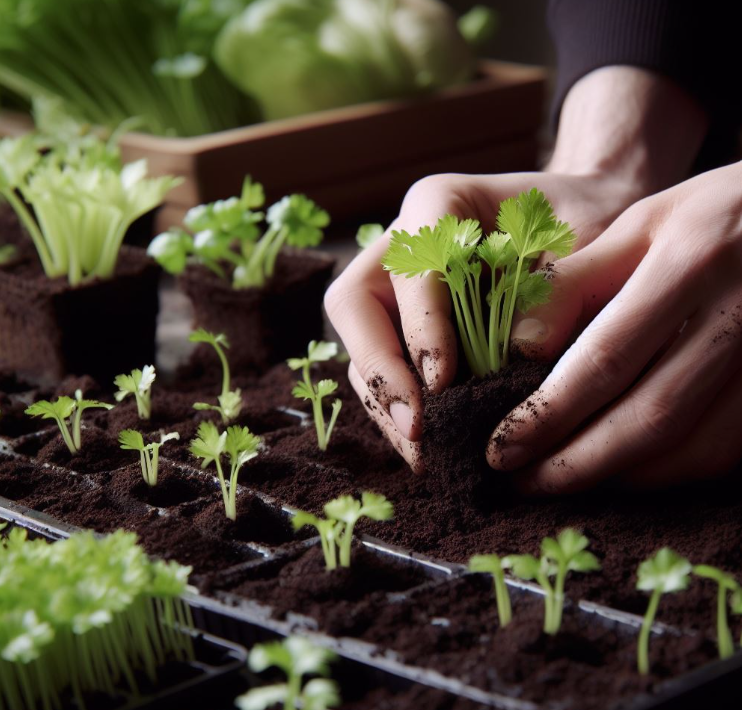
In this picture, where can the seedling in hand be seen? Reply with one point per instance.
(665, 572)
(317, 352)
(230, 401)
(566, 554)
(138, 383)
(67, 412)
(149, 454)
(296, 657)
(496, 566)
(238, 443)
(725, 584)
(336, 531)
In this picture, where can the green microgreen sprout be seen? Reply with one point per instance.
(495, 565)
(296, 657)
(61, 410)
(726, 583)
(665, 572)
(367, 234)
(304, 389)
(567, 553)
(149, 454)
(238, 443)
(336, 531)
(139, 383)
(226, 232)
(457, 251)
(230, 401)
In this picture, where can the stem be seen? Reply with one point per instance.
(504, 610)
(480, 368)
(33, 229)
(476, 300)
(494, 324)
(336, 407)
(559, 599)
(724, 636)
(345, 544)
(272, 252)
(511, 311)
(66, 436)
(77, 427)
(293, 690)
(225, 368)
(223, 484)
(232, 506)
(154, 462)
(643, 648)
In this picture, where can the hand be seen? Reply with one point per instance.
(651, 390)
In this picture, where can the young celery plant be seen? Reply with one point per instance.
(495, 565)
(665, 572)
(296, 657)
(317, 352)
(149, 454)
(567, 553)
(230, 401)
(139, 383)
(238, 443)
(64, 409)
(726, 584)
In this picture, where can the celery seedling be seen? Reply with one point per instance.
(61, 410)
(230, 401)
(138, 383)
(457, 251)
(317, 352)
(336, 531)
(238, 443)
(665, 572)
(725, 584)
(149, 454)
(496, 566)
(558, 557)
(296, 657)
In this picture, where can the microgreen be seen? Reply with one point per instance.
(139, 383)
(304, 389)
(61, 410)
(458, 251)
(336, 531)
(296, 657)
(567, 553)
(726, 583)
(495, 565)
(367, 234)
(238, 443)
(149, 454)
(665, 572)
(230, 401)
(227, 232)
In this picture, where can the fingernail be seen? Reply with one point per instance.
(509, 458)
(403, 418)
(531, 329)
(430, 371)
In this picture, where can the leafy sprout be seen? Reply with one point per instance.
(238, 443)
(336, 531)
(297, 657)
(368, 234)
(665, 572)
(726, 583)
(139, 383)
(304, 389)
(457, 251)
(149, 454)
(495, 565)
(67, 413)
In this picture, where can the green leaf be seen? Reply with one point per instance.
(302, 390)
(584, 562)
(240, 441)
(274, 653)
(367, 234)
(253, 195)
(209, 444)
(201, 335)
(62, 408)
(262, 698)
(326, 387)
(131, 440)
(497, 251)
(18, 157)
(230, 404)
(723, 579)
(301, 218)
(171, 250)
(666, 572)
(417, 255)
(491, 564)
(523, 566)
(534, 290)
(320, 694)
(307, 657)
(376, 506)
(172, 436)
(345, 508)
(321, 351)
(302, 518)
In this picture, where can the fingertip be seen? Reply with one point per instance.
(406, 420)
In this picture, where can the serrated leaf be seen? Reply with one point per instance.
(321, 351)
(524, 566)
(344, 508)
(497, 251)
(320, 694)
(376, 506)
(201, 335)
(274, 653)
(534, 290)
(302, 390)
(584, 562)
(490, 564)
(326, 387)
(302, 518)
(302, 219)
(240, 440)
(209, 444)
(367, 234)
(253, 195)
(666, 571)
(131, 440)
(307, 657)
(171, 250)
(62, 408)
(417, 255)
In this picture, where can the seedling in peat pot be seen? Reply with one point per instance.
(230, 401)
(238, 443)
(61, 410)
(149, 454)
(558, 557)
(496, 566)
(336, 531)
(317, 352)
(296, 657)
(138, 383)
(725, 584)
(665, 572)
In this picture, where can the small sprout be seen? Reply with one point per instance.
(149, 454)
(336, 531)
(665, 572)
(138, 383)
(558, 557)
(296, 657)
(368, 234)
(725, 584)
(230, 401)
(61, 411)
(238, 443)
(496, 566)
(304, 389)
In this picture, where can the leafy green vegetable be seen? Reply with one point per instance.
(495, 565)
(726, 583)
(457, 251)
(149, 454)
(61, 410)
(226, 232)
(567, 553)
(139, 383)
(336, 531)
(665, 572)
(238, 443)
(367, 234)
(304, 389)
(296, 657)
